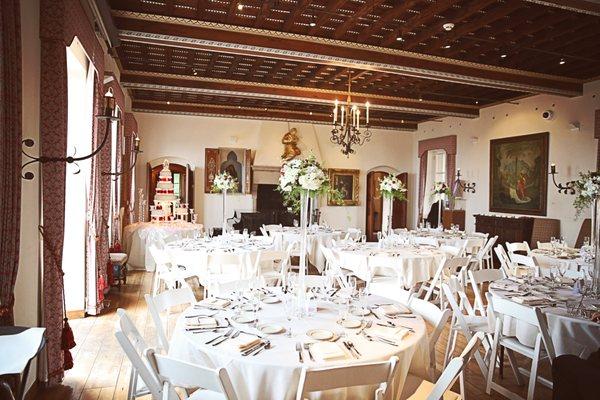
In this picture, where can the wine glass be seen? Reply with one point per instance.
(352, 283)
(289, 307)
(211, 232)
(379, 236)
(363, 239)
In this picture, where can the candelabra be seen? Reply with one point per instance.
(135, 151)
(346, 132)
(466, 186)
(108, 114)
(567, 187)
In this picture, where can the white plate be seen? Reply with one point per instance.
(248, 307)
(271, 300)
(320, 334)
(360, 312)
(244, 318)
(350, 323)
(271, 329)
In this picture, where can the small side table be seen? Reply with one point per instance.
(119, 264)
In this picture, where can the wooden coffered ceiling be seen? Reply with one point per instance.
(290, 59)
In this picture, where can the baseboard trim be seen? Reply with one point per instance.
(76, 314)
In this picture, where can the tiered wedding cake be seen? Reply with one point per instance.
(165, 200)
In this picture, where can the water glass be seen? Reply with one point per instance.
(363, 239)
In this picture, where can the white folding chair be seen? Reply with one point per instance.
(208, 383)
(142, 379)
(477, 279)
(164, 302)
(263, 231)
(334, 268)
(420, 389)
(512, 248)
(166, 272)
(453, 251)
(464, 321)
(426, 240)
(543, 348)
(271, 266)
(353, 234)
(319, 379)
(526, 262)
(484, 255)
(434, 316)
(448, 268)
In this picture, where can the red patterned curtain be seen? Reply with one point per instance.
(10, 153)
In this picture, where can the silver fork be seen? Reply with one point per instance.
(299, 350)
(220, 336)
(367, 326)
(307, 347)
(234, 333)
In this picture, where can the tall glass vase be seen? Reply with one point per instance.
(388, 211)
(224, 232)
(304, 200)
(596, 244)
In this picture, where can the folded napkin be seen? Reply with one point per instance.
(215, 302)
(327, 351)
(529, 300)
(394, 309)
(383, 332)
(202, 322)
(244, 342)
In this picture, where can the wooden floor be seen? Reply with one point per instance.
(101, 371)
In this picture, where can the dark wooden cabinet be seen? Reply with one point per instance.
(456, 217)
(506, 228)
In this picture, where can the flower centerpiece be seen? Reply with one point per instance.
(390, 188)
(223, 183)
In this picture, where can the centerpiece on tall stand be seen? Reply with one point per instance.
(223, 183)
(587, 190)
(441, 192)
(390, 188)
(299, 181)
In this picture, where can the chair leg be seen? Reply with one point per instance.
(492, 367)
(534, 367)
(514, 366)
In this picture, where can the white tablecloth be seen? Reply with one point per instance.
(549, 261)
(473, 243)
(411, 265)
(570, 335)
(274, 373)
(138, 237)
(314, 242)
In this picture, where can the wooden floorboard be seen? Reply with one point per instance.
(101, 370)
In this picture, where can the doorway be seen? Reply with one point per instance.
(375, 205)
(183, 182)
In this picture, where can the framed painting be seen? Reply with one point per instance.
(519, 174)
(344, 181)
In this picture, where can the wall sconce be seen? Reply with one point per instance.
(467, 187)
(135, 151)
(567, 188)
(107, 114)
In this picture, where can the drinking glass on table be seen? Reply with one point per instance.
(211, 232)
(363, 239)
(289, 307)
(352, 283)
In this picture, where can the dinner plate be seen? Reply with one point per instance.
(248, 307)
(244, 318)
(271, 300)
(360, 312)
(320, 334)
(350, 323)
(271, 329)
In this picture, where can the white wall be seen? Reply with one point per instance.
(188, 136)
(571, 151)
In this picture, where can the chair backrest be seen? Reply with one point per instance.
(486, 248)
(222, 262)
(454, 368)
(125, 332)
(544, 245)
(426, 240)
(483, 276)
(505, 262)
(263, 230)
(530, 315)
(381, 372)
(177, 373)
(333, 266)
(164, 302)
(273, 260)
(433, 315)
(454, 251)
(458, 300)
(526, 261)
(518, 246)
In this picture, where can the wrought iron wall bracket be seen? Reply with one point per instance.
(566, 188)
(467, 187)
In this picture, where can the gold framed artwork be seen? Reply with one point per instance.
(345, 181)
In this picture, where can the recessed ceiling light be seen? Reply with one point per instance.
(476, 101)
(448, 26)
(265, 108)
(240, 6)
(502, 55)
(310, 113)
(562, 61)
(168, 102)
(401, 121)
(447, 46)
(239, 106)
(420, 99)
(400, 39)
(313, 22)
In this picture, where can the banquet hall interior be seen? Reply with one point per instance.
(299, 199)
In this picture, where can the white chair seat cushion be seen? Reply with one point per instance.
(118, 258)
(416, 388)
(202, 394)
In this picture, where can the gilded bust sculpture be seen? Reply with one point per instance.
(290, 142)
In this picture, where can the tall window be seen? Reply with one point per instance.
(80, 85)
(115, 184)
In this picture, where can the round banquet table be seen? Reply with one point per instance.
(457, 239)
(567, 259)
(315, 239)
(274, 373)
(409, 264)
(139, 236)
(570, 334)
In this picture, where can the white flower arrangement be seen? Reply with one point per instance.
(441, 188)
(587, 189)
(224, 182)
(392, 187)
(303, 175)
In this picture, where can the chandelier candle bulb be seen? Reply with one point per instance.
(335, 111)
(367, 105)
(552, 168)
(342, 119)
(357, 119)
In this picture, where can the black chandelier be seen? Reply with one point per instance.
(346, 131)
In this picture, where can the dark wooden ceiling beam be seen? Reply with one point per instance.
(389, 16)
(257, 113)
(366, 8)
(578, 6)
(325, 15)
(295, 14)
(280, 92)
(209, 38)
